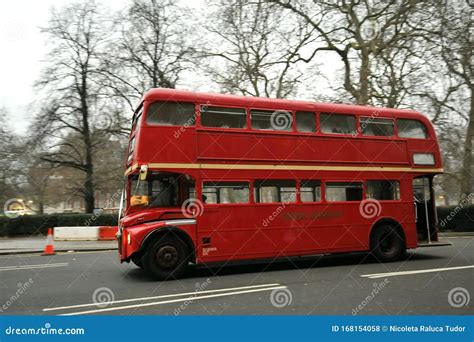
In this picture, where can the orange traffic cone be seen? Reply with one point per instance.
(49, 248)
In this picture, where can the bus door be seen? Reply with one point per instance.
(425, 211)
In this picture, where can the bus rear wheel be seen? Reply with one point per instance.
(387, 244)
(165, 258)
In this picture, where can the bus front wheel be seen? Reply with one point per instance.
(387, 244)
(165, 258)
(137, 260)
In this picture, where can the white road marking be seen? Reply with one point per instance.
(165, 296)
(36, 254)
(393, 274)
(191, 299)
(29, 267)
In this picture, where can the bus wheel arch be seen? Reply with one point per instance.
(170, 231)
(166, 253)
(387, 240)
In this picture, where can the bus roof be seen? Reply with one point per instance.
(164, 94)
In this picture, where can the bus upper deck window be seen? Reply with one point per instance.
(276, 120)
(171, 114)
(338, 123)
(223, 117)
(305, 122)
(408, 128)
(376, 127)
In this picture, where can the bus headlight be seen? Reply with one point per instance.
(423, 159)
(129, 239)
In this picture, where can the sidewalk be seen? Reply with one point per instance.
(23, 245)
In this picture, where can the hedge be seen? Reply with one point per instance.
(459, 219)
(39, 224)
(456, 218)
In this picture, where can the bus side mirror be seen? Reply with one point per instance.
(138, 200)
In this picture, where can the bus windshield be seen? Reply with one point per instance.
(160, 190)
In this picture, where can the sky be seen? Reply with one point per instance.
(23, 48)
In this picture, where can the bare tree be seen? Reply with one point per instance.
(33, 182)
(457, 54)
(8, 154)
(72, 90)
(151, 49)
(447, 89)
(254, 47)
(377, 42)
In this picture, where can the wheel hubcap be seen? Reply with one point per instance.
(387, 243)
(167, 257)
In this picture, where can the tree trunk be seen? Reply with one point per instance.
(89, 191)
(89, 167)
(41, 208)
(363, 96)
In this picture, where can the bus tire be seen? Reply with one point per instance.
(165, 258)
(137, 260)
(387, 243)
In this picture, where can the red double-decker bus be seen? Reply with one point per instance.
(214, 177)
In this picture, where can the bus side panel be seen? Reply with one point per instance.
(236, 146)
(275, 230)
(333, 227)
(230, 232)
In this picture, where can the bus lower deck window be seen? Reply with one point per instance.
(343, 191)
(383, 189)
(310, 191)
(225, 192)
(274, 191)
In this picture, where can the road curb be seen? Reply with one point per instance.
(456, 234)
(34, 251)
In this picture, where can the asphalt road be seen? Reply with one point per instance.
(86, 283)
